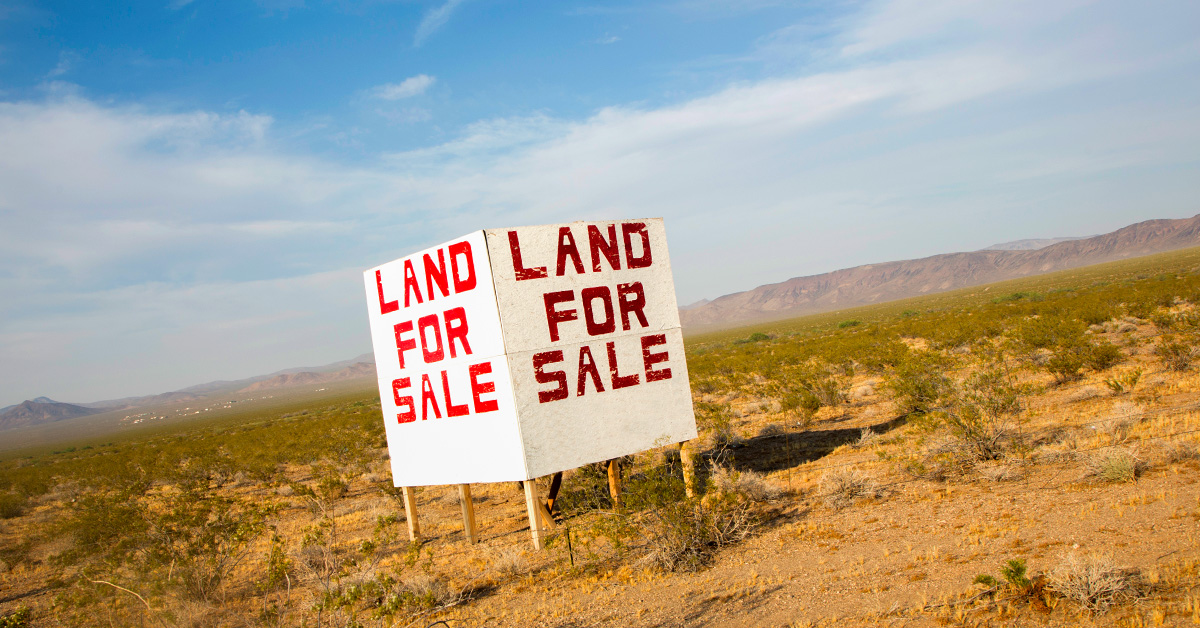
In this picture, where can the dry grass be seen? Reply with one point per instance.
(841, 487)
(1094, 582)
(748, 484)
(1118, 465)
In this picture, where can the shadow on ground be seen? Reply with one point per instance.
(766, 454)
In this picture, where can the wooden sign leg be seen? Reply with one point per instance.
(687, 459)
(552, 496)
(614, 481)
(410, 513)
(533, 504)
(468, 511)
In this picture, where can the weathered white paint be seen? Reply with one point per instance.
(514, 312)
(477, 447)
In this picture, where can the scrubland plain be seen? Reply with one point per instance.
(1023, 453)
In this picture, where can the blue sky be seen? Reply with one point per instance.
(189, 190)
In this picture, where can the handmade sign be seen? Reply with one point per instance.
(510, 354)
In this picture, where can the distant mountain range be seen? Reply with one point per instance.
(33, 412)
(45, 410)
(861, 285)
(876, 283)
(1032, 244)
(358, 370)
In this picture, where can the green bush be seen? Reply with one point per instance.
(1176, 355)
(982, 413)
(17, 619)
(918, 384)
(11, 505)
(849, 323)
(1104, 356)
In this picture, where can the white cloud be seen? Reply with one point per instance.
(434, 20)
(126, 232)
(66, 60)
(409, 87)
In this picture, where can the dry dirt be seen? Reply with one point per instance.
(905, 557)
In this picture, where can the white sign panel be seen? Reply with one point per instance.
(514, 353)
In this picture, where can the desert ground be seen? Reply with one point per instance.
(1018, 454)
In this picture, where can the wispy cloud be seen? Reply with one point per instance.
(608, 39)
(434, 20)
(124, 231)
(66, 60)
(409, 87)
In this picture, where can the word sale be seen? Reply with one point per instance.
(588, 372)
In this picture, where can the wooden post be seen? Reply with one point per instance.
(410, 513)
(533, 504)
(687, 460)
(614, 481)
(468, 510)
(552, 496)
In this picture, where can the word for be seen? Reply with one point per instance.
(429, 330)
(631, 300)
(587, 369)
(434, 397)
(438, 278)
(600, 249)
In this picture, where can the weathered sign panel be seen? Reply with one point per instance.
(509, 354)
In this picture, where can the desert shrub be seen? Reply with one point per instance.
(19, 618)
(1176, 355)
(278, 565)
(105, 527)
(982, 413)
(684, 535)
(332, 487)
(758, 336)
(203, 537)
(771, 430)
(1003, 472)
(1094, 582)
(1050, 331)
(799, 402)
(841, 487)
(746, 484)
(1181, 452)
(509, 561)
(866, 438)
(704, 385)
(714, 417)
(1117, 466)
(918, 384)
(849, 323)
(1015, 573)
(1103, 356)
(1066, 361)
(11, 505)
(1124, 383)
(1095, 315)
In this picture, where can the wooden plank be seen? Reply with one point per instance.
(687, 459)
(532, 502)
(555, 484)
(614, 481)
(468, 512)
(410, 513)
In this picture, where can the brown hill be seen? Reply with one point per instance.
(35, 412)
(876, 283)
(359, 370)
